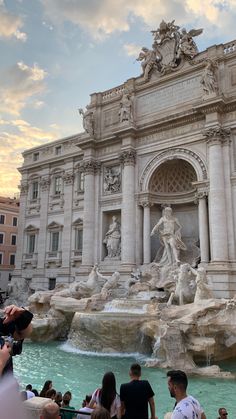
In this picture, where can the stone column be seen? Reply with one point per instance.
(21, 225)
(127, 158)
(89, 168)
(139, 235)
(146, 232)
(97, 241)
(203, 226)
(227, 150)
(68, 179)
(42, 239)
(217, 205)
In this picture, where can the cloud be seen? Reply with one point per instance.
(132, 50)
(18, 84)
(103, 17)
(10, 25)
(38, 104)
(20, 136)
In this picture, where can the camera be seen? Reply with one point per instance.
(2, 342)
(6, 339)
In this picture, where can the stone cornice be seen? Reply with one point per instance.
(128, 157)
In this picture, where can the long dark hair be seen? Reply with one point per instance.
(108, 390)
(47, 385)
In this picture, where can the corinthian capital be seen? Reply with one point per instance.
(24, 187)
(45, 183)
(90, 166)
(217, 133)
(68, 178)
(128, 157)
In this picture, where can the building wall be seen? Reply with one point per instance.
(9, 210)
(172, 119)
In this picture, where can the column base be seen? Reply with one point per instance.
(222, 278)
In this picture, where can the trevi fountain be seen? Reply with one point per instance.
(165, 310)
(127, 230)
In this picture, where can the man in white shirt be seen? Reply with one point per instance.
(187, 407)
(85, 408)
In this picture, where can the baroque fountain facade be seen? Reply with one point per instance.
(131, 224)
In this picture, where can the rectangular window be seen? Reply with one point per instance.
(55, 241)
(2, 219)
(31, 243)
(1, 238)
(13, 240)
(1, 258)
(79, 240)
(35, 156)
(51, 283)
(12, 259)
(58, 185)
(14, 221)
(58, 150)
(80, 181)
(35, 190)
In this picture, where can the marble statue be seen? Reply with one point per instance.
(148, 60)
(110, 284)
(171, 45)
(80, 289)
(185, 286)
(126, 107)
(112, 180)
(112, 239)
(208, 80)
(170, 237)
(165, 31)
(203, 291)
(187, 46)
(88, 120)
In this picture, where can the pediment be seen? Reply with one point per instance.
(78, 222)
(54, 225)
(31, 228)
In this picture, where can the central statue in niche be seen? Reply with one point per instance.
(169, 230)
(112, 239)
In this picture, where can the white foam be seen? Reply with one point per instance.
(67, 347)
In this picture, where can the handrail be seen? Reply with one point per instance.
(64, 409)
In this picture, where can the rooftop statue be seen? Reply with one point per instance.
(171, 45)
(126, 107)
(148, 60)
(88, 120)
(187, 45)
(208, 80)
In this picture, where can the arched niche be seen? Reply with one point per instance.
(172, 183)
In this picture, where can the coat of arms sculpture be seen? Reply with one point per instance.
(170, 47)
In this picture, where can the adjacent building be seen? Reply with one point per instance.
(167, 137)
(9, 214)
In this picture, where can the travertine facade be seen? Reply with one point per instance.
(167, 137)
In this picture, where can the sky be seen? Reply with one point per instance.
(55, 53)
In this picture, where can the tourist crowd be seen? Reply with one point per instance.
(133, 401)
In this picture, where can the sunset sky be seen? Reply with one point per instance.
(54, 53)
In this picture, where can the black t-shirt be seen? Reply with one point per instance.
(135, 396)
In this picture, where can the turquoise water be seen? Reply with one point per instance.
(81, 374)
